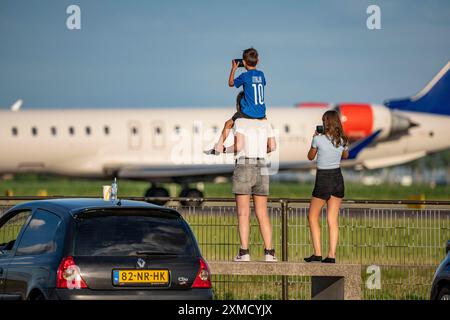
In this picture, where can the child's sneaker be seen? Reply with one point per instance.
(243, 255)
(270, 255)
(215, 151)
(211, 151)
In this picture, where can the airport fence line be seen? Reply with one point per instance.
(403, 240)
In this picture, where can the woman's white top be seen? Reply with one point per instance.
(328, 156)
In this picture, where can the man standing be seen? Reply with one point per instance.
(253, 140)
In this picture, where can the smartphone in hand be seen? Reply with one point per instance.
(240, 62)
(319, 129)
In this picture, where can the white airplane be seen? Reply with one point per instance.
(166, 145)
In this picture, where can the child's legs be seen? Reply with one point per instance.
(223, 136)
(333, 206)
(243, 212)
(315, 208)
(263, 218)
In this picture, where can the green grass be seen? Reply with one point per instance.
(352, 191)
(31, 184)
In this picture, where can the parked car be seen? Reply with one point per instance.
(440, 289)
(95, 249)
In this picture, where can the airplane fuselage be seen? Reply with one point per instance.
(94, 142)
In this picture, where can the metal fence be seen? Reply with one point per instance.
(406, 244)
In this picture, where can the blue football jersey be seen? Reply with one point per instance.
(252, 103)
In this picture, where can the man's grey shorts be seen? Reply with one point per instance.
(251, 177)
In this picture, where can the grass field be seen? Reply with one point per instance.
(32, 185)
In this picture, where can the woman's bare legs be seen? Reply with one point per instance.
(315, 208)
(243, 212)
(263, 219)
(333, 205)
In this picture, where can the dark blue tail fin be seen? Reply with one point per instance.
(434, 98)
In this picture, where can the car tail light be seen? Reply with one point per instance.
(203, 279)
(69, 275)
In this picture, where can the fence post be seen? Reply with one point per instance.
(284, 247)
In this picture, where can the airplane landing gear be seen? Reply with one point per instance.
(157, 192)
(186, 192)
(191, 193)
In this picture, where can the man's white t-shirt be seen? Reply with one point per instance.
(256, 133)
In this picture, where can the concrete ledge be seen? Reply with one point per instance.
(329, 281)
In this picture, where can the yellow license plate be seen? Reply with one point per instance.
(140, 277)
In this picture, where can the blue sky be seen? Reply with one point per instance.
(177, 53)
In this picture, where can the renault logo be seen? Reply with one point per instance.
(141, 263)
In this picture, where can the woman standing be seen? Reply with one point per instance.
(330, 147)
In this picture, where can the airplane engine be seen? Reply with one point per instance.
(360, 120)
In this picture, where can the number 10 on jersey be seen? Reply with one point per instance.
(258, 90)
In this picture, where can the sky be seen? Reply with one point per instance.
(141, 53)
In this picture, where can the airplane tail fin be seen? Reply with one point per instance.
(434, 98)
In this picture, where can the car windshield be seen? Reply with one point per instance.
(132, 235)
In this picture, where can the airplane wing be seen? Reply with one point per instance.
(168, 173)
(205, 172)
(195, 172)
(359, 145)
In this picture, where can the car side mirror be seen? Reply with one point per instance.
(447, 247)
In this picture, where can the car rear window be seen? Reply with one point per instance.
(128, 235)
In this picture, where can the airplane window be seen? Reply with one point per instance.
(177, 129)
(196, 130)
(215, 129)
(286, 128)
(134, 130)
(34, 131)
(14, 131)
(53, 130)
(106, 128)
(158, 130)
(71, 131)
(88, 131)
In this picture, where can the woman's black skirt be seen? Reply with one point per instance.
(329, 183)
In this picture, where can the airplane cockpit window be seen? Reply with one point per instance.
(14, 131)
(34, 131)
